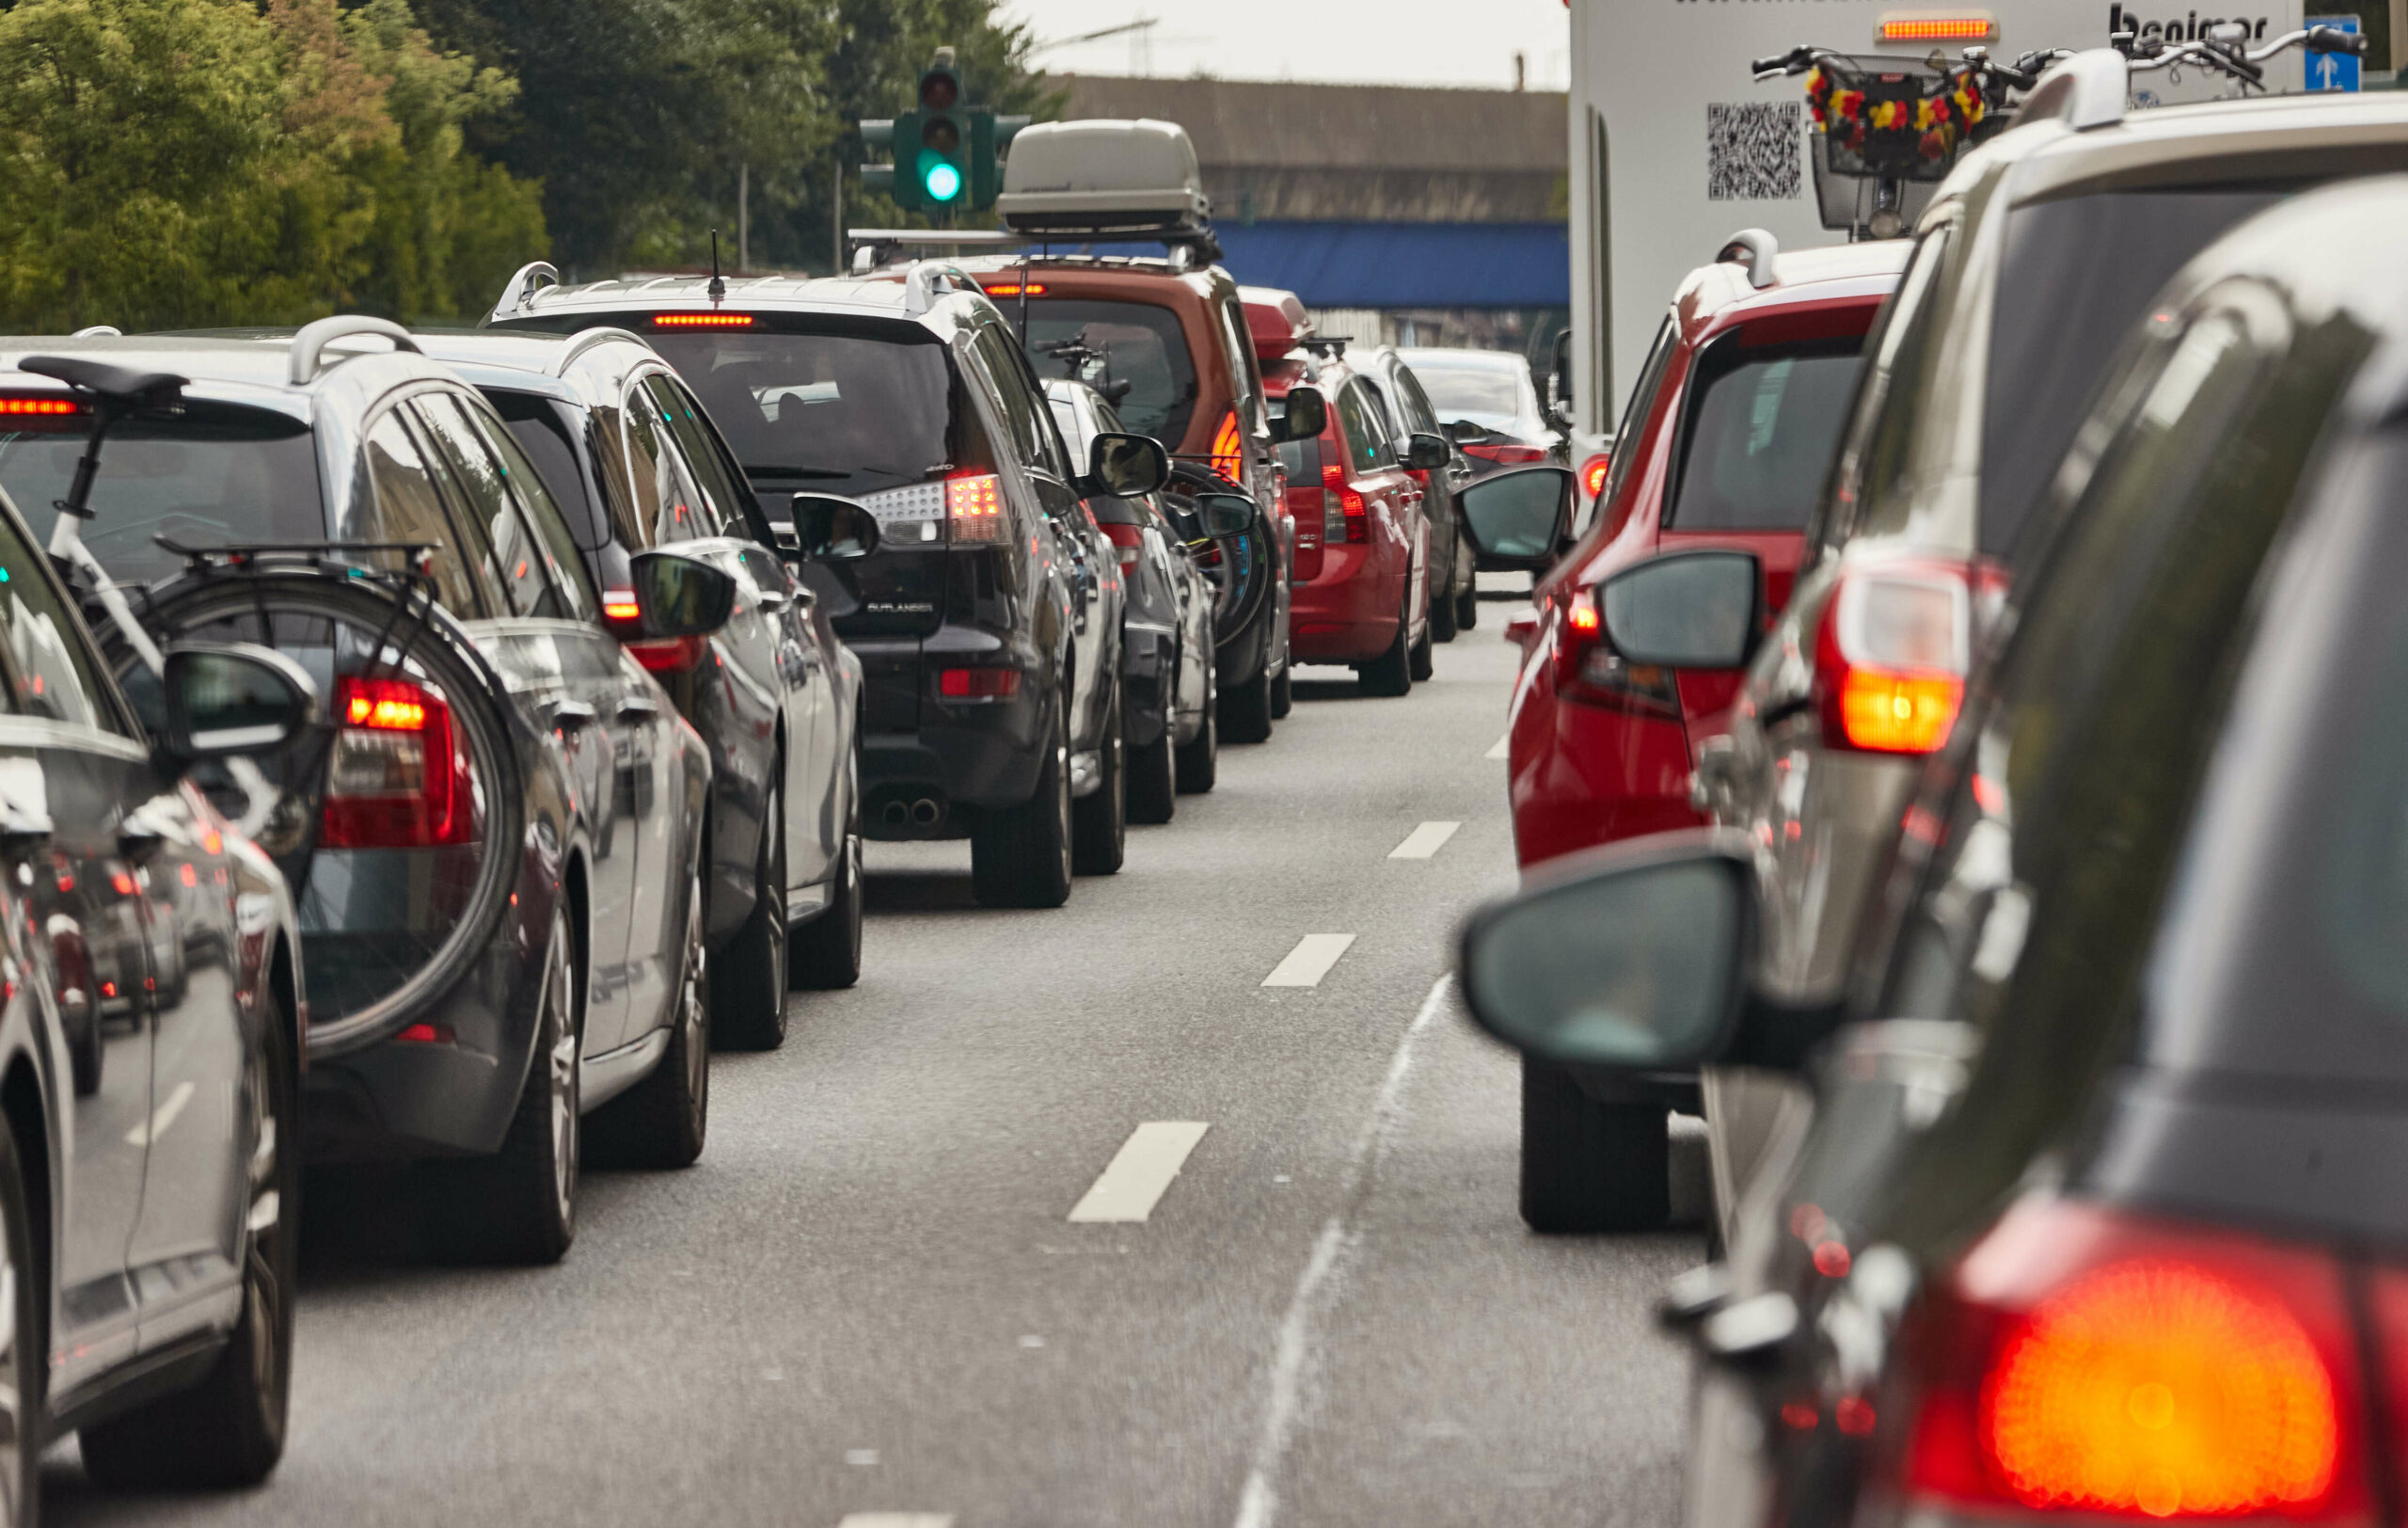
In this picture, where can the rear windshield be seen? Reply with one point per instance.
(1483, 395)
(843, 413)
(1133, 353)
(2078, 274)
(1760, 426)
(218, 474)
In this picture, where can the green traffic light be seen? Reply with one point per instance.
(938, 177)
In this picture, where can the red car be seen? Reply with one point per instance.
(1361, 592)
(1725, 444)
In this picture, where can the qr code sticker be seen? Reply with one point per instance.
(1753, 150)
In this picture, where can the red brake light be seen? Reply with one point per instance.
(1971, 27)
(1588, 669)
(1593, 472)
(2083, 1359)
(1227, 459)
(702, 321)
(973, 507)
(1891, 659)
(1509, 454)
(670, 655)
(1013, 289)
(1130, 539)
(49, 406)
(398, 778)
(978, 683)
(1352, 522)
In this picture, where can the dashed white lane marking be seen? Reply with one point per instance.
(1504, 748)
(1424, 841)
(1140, 1172)
(1310, 961)
(895, 1520)
(1259, 1501)
(149, 1131)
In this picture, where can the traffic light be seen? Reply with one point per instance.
(946, 153)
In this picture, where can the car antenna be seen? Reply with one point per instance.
(718, 289)
(1024, 288)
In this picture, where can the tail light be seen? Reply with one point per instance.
(1130, 539)
(1593, 472)
(1891, 659)
(1344, 516)
(660, 655)
(2082, 1360)
(1511, 455)
(1228, 459)
(1587, 668)
(398, 776)
(974, 509)
(978, 683)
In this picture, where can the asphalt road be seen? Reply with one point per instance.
(886, 1289)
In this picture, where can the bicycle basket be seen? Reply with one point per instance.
(1891, 124)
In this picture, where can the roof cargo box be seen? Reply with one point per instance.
(1103, 176)
(1274, 322)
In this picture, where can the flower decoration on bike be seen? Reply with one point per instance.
(1890, 119)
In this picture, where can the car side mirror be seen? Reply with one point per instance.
(1463, 431)
(1634, 958)
(1303, 418)
(1125, 466)
(1520, 518)
(1685, 610)
(233, 698)
(1426, 453)
(831, 527)
(677, 596)
(1225, 514)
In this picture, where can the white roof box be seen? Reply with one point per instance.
(1103, 176)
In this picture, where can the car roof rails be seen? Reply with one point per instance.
(519, 293)
(2089, 89)
(98, 331)
(919, 284)
(312, 340)
(1759, 247)
(585, 339)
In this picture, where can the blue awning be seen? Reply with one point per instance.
(1405, 264)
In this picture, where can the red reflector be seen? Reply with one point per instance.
(48, 407)
(1498, 452)
(108, 989)
(1013, 289)
(425, 1034)
(670, 655)
(702, 321)
(1593, 472)
(978, 683)
(973, 507)
(188, 875)
(121, 883)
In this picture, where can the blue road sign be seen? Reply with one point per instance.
(2333, 71)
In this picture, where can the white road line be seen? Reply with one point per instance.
(1424, 841)
(895, 1520)
(1310, 961)
(1504, 748)
(1318, 1287)
(149, 1131)
(1140, 1172)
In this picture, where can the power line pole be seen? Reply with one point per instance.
(744, 216)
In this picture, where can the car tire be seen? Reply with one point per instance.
(1442, 614)
(663, 1121)
(24, 1428)
(227, 1430)
(1283, 694)
(1099, 820)
(1421, 659)
(825, 954)
(1199, 757)
(1153, 779)
(1467, 602)
(1392, 673)
(1245, 712)
(519, 1206)
(749, 978)
(1590, 1167)
(1020, 856)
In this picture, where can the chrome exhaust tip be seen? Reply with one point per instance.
(924, 811)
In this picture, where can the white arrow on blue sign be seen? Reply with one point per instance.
(2333, 71)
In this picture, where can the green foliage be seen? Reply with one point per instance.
(190, 163)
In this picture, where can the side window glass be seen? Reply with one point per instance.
(1364, 445)
(716, 466)
(1634, 413)
(516, 563)
(571, 580)
(712, 504)
(53, 671)
(1030, 423)
(1418, 411)
(408, 507)
(666, 497)
(1242, 376)
(1384, 414)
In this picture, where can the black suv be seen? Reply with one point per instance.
(989, 621)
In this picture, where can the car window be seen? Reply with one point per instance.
(570, 580)
(1391, 420)
(407, 507)
(666, 497)
(541, 429)
(1418, 414)
(1025, 415)
(1358, 416)
(514, 561)
(1133, 353)
(1243, 377)
(707, 456)
(1482, 394)
(1873, 448)
(1761, 424)
(712, 509)
(1634, 412)
(52, 670)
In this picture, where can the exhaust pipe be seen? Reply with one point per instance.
(896, 814)
(924, 811)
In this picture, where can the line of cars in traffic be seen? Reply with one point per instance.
(425, 746)
(1995, 833)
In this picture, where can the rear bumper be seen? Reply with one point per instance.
(931, 764)
(1348, 612)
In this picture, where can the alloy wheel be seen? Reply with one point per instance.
(560, 1012)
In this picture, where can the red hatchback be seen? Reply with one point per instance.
(1724, 445)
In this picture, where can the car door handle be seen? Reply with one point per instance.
(573, 715)
(638, 709)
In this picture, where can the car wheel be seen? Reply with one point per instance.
(749, 978)
(1020, 856)
(1100, 821)
(519, 1206)
(1442, 612)
(1422, 660)
(1392, 673)
(1245, 712)
(1199, 757)
(662, 1120)
(1467, 599)
(1154, 777)
(1283, 694)
(825, 954)
(227, 1430)
(22, 1427)
(1588, 1166)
